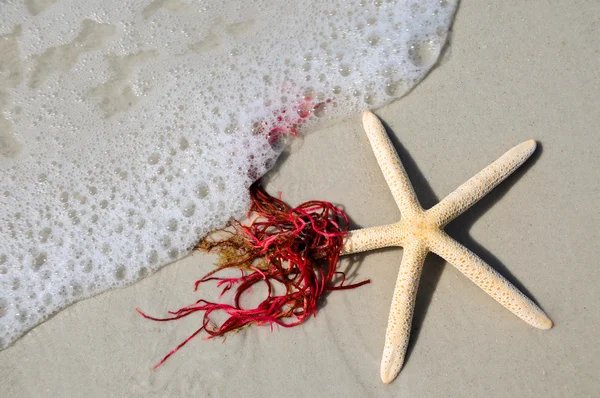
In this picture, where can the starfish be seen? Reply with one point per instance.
(420, 231)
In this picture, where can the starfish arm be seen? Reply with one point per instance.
(479, 185)
(372, 238)
(401, 312)
(489, 280)
(390, 165)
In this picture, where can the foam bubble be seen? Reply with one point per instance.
(128, 130)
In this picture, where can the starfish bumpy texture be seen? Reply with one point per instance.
(420, 231)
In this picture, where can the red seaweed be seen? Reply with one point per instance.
(295, 248)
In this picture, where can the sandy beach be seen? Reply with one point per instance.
(513, 71)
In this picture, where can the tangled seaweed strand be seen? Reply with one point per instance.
(297, 248)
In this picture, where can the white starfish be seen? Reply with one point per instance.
(420, 231)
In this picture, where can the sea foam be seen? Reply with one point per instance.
(128, 130)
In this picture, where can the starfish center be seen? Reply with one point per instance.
(418, 228)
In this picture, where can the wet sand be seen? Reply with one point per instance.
(513, 72)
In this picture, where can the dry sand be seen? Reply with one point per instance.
(515, 70)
